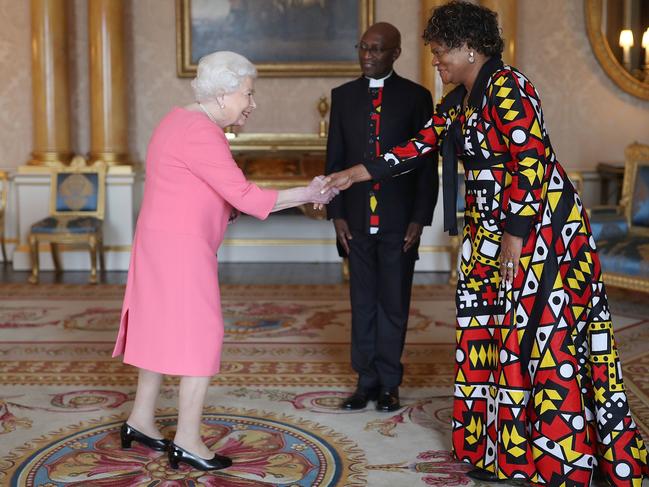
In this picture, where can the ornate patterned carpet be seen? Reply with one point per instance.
(273, 408)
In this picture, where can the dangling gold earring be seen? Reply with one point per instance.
(471, 57)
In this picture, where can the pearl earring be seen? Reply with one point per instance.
(471, 57)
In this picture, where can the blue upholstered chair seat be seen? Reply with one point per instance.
(55, 225)
(622, 235)
(608, 225)
(629, 256)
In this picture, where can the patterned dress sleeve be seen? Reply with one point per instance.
(515, 109)
(405, 157)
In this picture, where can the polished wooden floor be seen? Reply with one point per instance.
(229, 273)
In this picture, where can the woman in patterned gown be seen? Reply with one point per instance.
(538, 391)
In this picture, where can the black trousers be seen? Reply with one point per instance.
(380, 281)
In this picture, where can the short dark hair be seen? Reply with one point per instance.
(458, 22)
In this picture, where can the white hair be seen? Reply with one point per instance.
(220, 73)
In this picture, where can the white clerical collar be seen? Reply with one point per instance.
(378, 83)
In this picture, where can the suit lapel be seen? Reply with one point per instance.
(392, 104)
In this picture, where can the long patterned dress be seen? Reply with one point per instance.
(538, 388)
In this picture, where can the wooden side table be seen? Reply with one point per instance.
(283, 170)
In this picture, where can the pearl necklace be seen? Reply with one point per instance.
(206, 112)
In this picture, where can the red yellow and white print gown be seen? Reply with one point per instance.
(538, 388)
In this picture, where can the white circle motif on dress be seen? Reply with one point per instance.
(519, 136)
(578, 423)
(623, 470)
(566, 371)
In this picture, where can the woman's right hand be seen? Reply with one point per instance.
(511, 248)
(342, 180)
(313, 193)
(316, 194)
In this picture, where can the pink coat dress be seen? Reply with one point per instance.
(171, 319)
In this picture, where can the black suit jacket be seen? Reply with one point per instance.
(406, 107)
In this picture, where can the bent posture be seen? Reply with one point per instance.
(171, 318)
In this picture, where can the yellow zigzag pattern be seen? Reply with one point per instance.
(506, 103)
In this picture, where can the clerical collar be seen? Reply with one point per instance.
(378, 83)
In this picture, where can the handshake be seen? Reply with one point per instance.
(317, 194)
(323, 188)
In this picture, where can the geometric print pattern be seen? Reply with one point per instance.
(374, 149)
(539, 393)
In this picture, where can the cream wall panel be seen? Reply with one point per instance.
(15, 83)
(32, 195)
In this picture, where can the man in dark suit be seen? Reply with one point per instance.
(378, 225)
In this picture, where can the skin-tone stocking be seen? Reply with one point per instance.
(190, 412)
(142, 416)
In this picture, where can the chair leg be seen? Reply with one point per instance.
(54, 249)
(2, 244)
(102, 260)
(33, 250)
(93, 260)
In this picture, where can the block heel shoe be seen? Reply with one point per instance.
(129, 434)
(178, 455)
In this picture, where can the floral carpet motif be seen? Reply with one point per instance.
(265, 452)
(274, 407)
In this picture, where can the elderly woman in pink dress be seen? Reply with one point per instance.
(171, 320)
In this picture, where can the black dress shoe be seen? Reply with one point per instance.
(388, 401)
(129, 434)
(177, 455)
(359, 399)
(483, 475)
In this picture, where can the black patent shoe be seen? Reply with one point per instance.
(483, 475)
(388, 401)
(128, 434)
(178, 455)
(359, 399)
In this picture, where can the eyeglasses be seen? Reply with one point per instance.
(373, 50)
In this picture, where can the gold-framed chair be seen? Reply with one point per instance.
(622, 237)
(77, 203)
(4, 188)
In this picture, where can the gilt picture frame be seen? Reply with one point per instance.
(283, 38)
